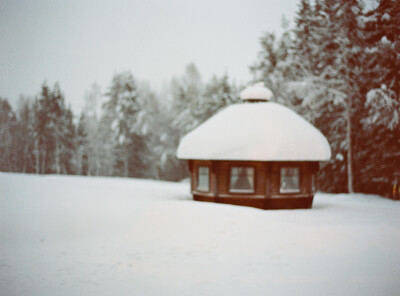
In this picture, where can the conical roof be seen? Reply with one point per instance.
(264, 131)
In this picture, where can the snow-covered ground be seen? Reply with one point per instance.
(107, 236)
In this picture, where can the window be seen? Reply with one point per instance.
(242, 179)
(203, 183)
(290, 182)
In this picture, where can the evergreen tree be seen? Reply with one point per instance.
(381, 82)
(82, 162)
(185, 93)
(186, 97)
(192, 103)
(95, 135)
(218, 93)
(25, 136)
(274, 65)
(8, 126)
(152, 124)
(122, 111)
(54, 133)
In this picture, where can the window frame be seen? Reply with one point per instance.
(289, 191)
(198, 178)
(239, 191)
(313, 183)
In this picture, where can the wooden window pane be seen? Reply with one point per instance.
(242, 179)
(203, 179)
(290, 180)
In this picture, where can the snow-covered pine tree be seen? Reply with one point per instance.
(95, 137)
(53, 133)
(8, 126)
(185, 94)
(82, 144)
(121, 112)
(152, 122)
(24, 135)
(381, 117)
(106, 135)
(274, 64)
(218, 93)
(65, 134)
(317, 72)
(192, 102)
(304, 25)
(328, 76)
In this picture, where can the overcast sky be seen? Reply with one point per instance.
(79, 42)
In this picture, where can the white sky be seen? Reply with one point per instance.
(81, 42)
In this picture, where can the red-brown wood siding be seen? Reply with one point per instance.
(266, 184)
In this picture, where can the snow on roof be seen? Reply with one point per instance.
(257, 91)
(256, 132)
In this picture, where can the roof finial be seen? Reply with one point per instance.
(256, 93)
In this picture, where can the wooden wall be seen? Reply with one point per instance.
(266, 183)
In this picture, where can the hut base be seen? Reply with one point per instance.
(289, 203)
(262, 203)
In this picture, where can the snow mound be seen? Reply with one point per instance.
(257, 91)
(256, 132)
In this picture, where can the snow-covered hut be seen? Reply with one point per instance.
(255, 153)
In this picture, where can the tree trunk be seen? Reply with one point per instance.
(79, 166)
(58, 168)
(25, 158)
(126, 165)
(97, 165)
(43, 161)
(349, 150)
(37, 154)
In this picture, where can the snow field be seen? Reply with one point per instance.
(68, 235)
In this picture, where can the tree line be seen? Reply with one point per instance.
(339, 67)
(127, 131)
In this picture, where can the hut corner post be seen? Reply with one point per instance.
(214, 170)
(191, 175)
(267, 199)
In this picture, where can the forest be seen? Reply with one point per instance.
(337, 65)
